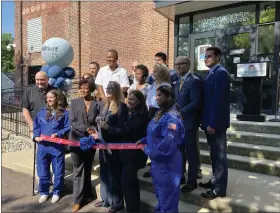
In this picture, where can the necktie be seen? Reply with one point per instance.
(181, 83)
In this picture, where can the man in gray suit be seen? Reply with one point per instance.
(188, 92)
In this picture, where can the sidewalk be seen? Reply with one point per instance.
(22, 161)
(246, 190)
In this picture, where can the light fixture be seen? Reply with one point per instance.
(9, 46)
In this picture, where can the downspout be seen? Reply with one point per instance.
(167, 52)
(80, 48)
(21, 47)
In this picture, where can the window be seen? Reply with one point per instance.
(34, 35)
(183, 46)
(266, 39)
(227, 18)
(267, 12)
(184, 26)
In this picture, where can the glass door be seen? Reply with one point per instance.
(238, 46)
(199, 43)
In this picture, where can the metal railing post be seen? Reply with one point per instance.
(17, 123)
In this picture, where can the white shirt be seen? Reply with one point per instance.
(151, 96)
(105, 75)
(144, 89)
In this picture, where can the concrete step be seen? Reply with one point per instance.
(149, 202)
(248, 150)
(258, 127)
(262, 166)
(247, 192)
(148, 199)
(250, 137)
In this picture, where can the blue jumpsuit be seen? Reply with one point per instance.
(48, 152)
(163, 138)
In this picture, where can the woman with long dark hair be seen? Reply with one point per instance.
(128, 162)
(83, 112)
(53, 121)
(114, 113)
(164, 134)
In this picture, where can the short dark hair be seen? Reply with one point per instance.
(162, 56)
(89, 82)
(96, 64)
(216, 50)
(144, 70)
(114, 51)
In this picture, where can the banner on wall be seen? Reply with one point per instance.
(201, 56)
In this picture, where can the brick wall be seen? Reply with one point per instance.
(134, 29)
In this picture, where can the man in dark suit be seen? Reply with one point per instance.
(215, 121)
(188, 91)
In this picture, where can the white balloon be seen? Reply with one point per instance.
(57, 51)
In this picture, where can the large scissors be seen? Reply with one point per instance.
(101, 138)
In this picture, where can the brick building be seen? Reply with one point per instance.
(134, 29)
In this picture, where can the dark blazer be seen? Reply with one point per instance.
(80, 119)
(189, 99)
(216, 109)
(133, 130)
(113, 120)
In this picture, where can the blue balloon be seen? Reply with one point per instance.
(52, 81)
(66, 84)
(54, 71)
(45, 68)
(69, 72)
(57, 51)
(58, 82)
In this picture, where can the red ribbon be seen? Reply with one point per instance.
(112, 146)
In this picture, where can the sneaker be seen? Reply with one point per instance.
(43, 198)
(55, 198)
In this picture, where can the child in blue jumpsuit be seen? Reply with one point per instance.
(53, 120)
(164, 133)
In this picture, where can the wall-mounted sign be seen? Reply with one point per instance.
(237, 52)
(251, 70)
(201, 57)
(236, 60)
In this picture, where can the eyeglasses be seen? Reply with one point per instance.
(180, 64)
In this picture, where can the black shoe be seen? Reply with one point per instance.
(147, 174)
(188, 187)
(207, 185)
(212, 194)
(183, 180)
(199, 174)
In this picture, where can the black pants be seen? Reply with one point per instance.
(129, 179)
(82, 166)
(191, 152)
(218, 152)
(119, 180)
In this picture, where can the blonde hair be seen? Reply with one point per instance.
(117, 96)
(162, 73)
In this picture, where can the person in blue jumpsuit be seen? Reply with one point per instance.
(53, 120)
(164, 134)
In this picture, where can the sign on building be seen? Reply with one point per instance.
(201, 57)
(251, 70)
